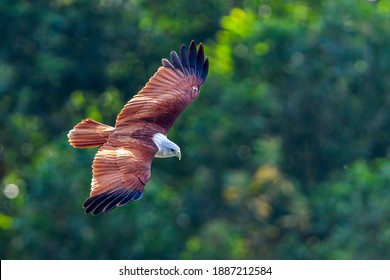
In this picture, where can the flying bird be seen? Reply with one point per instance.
(122, 165)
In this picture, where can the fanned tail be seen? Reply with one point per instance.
(89, 133)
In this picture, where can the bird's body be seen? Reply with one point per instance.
(121, 167)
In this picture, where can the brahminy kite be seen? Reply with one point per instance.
(121, 167)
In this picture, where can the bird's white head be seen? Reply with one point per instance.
(166, 148)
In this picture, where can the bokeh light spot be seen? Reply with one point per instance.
(11, 191)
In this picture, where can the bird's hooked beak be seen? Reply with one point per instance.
(179, 155)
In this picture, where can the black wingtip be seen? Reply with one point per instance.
(205, 69)
(184, 58)
(176, 61)
(191, 62)
(107, 201)
(192, 57)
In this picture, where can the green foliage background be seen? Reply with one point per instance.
(285, 152)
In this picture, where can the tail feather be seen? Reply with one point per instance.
(89, 134)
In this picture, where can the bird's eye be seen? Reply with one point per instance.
(172, 150)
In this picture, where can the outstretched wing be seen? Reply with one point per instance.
(119, 176)
(175, 85)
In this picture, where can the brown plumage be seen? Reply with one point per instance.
(121, 167)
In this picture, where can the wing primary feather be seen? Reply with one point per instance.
(200, 60)
(114, 202)
(102, 205)
(176, 61)
(138, 196)
(184, 58)
(192, 57)
(99, 208)
(205, 69)
(92, 199)
(91, 203)
(127, 198)
(191, 62)
(166, 63)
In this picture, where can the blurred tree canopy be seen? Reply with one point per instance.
(285, 152)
